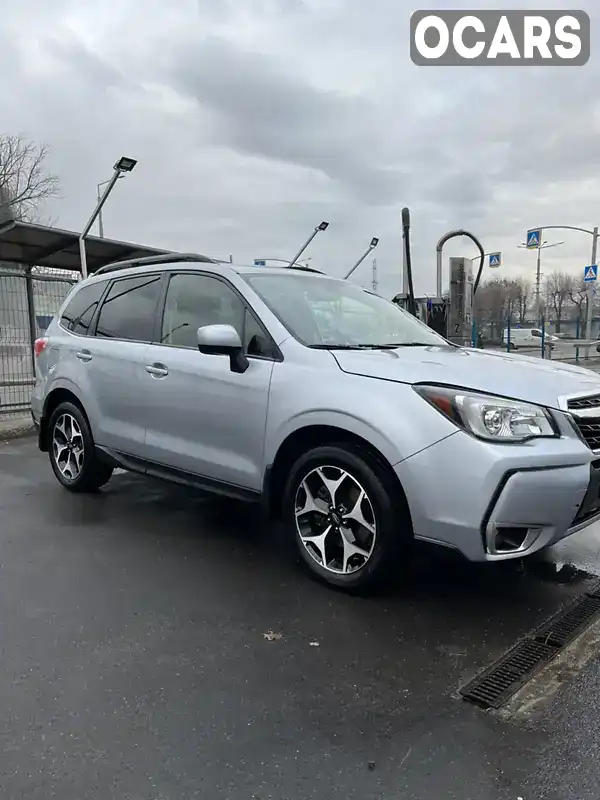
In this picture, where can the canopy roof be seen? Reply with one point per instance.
(27, 244)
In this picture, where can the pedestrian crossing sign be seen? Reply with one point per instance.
(534, 238)
(590, 273)
(495, 259)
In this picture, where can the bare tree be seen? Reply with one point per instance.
(25, 183)
(523, 298)
(490, 308)
(557, 289)
(578, 295)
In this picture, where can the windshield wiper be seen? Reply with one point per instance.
(411, 344)
(338, 346)
(385, 346)
(393, 345)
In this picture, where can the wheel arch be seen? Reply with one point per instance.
(307, 437)
(62, 393)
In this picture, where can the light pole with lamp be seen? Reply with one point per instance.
(372, 246)
(538, 274)
(594, 234)
(98, 198)
(123, 165)
(322, 227)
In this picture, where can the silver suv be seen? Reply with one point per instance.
(356, 425)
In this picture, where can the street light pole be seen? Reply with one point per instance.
(322, 227)
(98, 198)
(123, 165)
(590, 292)
(538, 270)
(372, 246)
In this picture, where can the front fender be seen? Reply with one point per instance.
(335, 419)
(390, 416)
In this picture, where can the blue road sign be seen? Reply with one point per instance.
(258, 262)
(534, 238)
(495, 259)
(590, 274)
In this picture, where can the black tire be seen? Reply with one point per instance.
(393, 529)
(511, 347)
(93, 473)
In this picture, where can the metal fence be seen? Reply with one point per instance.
(541, 341)
(28, 301)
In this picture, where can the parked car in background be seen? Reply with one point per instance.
(352, 422)
(528, 337)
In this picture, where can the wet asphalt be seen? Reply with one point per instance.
(156, 644)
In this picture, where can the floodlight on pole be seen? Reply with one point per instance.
(124, 164)
(322, 227)
(372, 246)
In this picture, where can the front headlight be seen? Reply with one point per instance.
(496, 419)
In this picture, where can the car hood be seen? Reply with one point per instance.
(528, 378)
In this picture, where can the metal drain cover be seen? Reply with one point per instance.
(495, 685)
(563, 627)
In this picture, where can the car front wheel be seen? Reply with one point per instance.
(348, 517)
(72, 452)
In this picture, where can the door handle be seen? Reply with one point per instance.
(84, 355)
(158, 370)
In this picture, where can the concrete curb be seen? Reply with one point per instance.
(17, 430)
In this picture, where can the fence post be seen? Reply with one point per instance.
(543, 327)
(31, 315)
(577, 336)
(508, 334)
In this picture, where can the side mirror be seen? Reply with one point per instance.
(223, 340)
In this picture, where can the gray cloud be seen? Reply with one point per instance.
(262, 108)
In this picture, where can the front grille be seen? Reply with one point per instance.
(585, 402)
(586, 414)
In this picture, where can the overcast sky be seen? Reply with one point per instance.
(253, 120)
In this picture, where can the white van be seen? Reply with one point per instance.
(528, 337)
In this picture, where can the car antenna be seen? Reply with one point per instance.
(412, 305)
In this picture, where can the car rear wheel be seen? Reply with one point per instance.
(348, 517)
(72, 452)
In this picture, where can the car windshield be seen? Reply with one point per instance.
(329, 313)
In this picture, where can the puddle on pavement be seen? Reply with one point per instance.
(547, 569)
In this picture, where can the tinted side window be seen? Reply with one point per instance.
(194, 301)
(129, 308)
(78, 314)
(256, 341)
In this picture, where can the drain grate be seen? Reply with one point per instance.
(495, 685)
(595, 590)
(563, 627)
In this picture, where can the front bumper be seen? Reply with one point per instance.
(496, 502)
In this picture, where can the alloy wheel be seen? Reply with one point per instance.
(335, 520)
(68, 447)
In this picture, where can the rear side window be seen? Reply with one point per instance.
(78, 314)
(129, 308)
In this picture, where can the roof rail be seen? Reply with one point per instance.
(164, 258)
